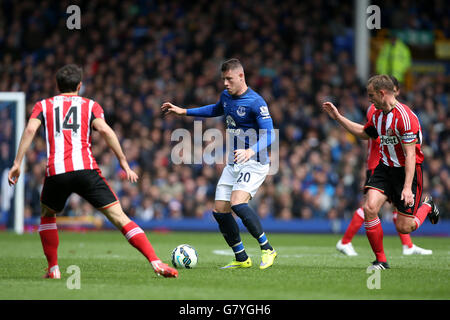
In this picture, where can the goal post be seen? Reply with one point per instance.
(12, 112)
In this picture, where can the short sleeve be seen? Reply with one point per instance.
(408, 128)
(369, 128)
(37, 112)
(97, 111)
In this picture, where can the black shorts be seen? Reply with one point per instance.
(89, 184)
(390, 181)
(369, 173)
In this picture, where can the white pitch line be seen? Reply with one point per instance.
(230, 253)
(224, 252)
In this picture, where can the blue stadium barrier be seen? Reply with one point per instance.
(291, 226)
(270, 225)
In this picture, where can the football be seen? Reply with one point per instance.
(184, 256)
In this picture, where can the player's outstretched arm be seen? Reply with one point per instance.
(354, 128)
(208, 111)
(25, 141)
(111, 139)
(168, 108)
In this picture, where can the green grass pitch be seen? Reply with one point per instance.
(308, 267)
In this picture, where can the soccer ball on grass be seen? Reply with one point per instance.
(184, 256)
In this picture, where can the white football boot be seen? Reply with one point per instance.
(416, 250)
(346, 249)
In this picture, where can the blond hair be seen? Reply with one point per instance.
(381, 82)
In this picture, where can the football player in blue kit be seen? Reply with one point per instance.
(250, 125)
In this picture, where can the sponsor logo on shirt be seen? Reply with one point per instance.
(231, 125)
(388, 140)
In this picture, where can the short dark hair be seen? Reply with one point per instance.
(68, 78)
(231, 64)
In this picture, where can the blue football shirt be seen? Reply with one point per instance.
(248, 122)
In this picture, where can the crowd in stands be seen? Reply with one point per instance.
(138, 54)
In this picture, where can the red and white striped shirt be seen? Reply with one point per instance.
(67, 121)
(399, 126)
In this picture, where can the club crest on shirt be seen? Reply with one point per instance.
(390, 132)
(241, 111)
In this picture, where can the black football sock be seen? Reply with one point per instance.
(230, 231)
(251, 222)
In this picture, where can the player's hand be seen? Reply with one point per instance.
(408, 197)
(331, 109)
(168, 108)
(243, 155)
(131, 175)
(13, 174)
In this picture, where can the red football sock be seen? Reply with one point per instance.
(49, 239)
(353, 227)
(404, 238)
(421, 214)
(374, 233)
(137, 238)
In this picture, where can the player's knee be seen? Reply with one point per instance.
(370, 211)
(236, 203)
(222, 206)
(48, 215)
(234, 200)
(404, 228)
(47, 212)
(239, 198)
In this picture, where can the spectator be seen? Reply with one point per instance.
(141, 54)
(394, 58)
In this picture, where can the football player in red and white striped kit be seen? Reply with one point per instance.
(344, 245)
(398, 176)
(68, 121)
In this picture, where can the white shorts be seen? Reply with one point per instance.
(247, 177)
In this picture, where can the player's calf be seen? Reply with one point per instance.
(48, 233)
(230, 231)
(251, 222)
